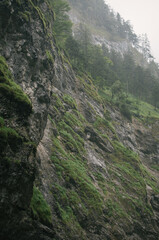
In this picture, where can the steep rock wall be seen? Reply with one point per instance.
(24, 44)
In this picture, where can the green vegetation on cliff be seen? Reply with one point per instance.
(83, 192)
(78, 196)
(41, 210)
(10, 89)
(9, 136)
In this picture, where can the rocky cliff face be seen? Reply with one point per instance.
(24, 45)
(71, 165)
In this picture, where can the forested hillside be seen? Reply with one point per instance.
(134, 66)
(98, 14)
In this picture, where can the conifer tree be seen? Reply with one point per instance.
(62, 25)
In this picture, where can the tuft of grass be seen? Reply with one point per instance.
(89, 88)
(49, 56)
(40, 208)
(15, 93)
(122, 151)
(101, 123)
(70, 101)
(70, 136)
(72, 120)
(9, 132)
(58, 102)
(67, 201)
(70, 142)
(79, 115)
(156, 167)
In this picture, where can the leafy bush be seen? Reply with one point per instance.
(126, 112)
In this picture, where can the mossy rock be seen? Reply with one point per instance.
(9, 136)
(11, 90)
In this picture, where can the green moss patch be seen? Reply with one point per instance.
(9, 136)
(10, 89)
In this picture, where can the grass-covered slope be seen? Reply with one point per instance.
(99, 187)
(138, 108)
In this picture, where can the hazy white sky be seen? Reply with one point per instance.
(144, 17)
